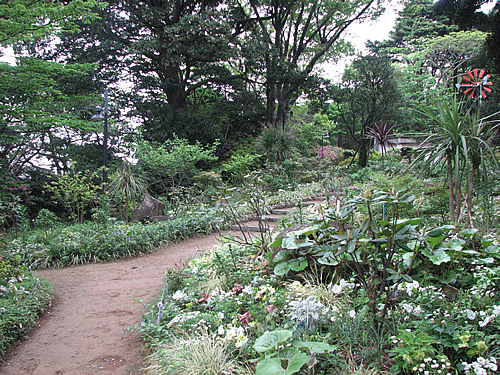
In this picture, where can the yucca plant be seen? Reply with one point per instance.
(461, 140)
(126, 185)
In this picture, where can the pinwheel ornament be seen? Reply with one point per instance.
(475, 84)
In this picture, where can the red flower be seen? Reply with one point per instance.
(237, 288)
(203, 299)
(245, 318)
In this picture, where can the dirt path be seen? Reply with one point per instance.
(94, 303)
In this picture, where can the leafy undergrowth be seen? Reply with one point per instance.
(385, 295)
(93, 242)
(65, 245)
(23, 297)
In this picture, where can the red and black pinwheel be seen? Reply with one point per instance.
(475, 84)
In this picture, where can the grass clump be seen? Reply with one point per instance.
(194, 354)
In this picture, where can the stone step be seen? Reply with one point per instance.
(282, 211)
(271, 218)
(253, 226)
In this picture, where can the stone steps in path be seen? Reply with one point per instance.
(269, 221)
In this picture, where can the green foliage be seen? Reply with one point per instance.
(412, 349)
(126, 186)
(101, 213)
(46, 219)
(35, 98)
(23, 297)
(279, 358)
(76, 192)
(175, 162)
(373, 250)
(238, 165)
(93, 242)
(26, 21)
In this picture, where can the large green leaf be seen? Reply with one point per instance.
(314, 347)
(270, 340)
(269, 366)
(282, 269)
(290, 243)
(328, 259)
(298, 264)
(280, 256)
(439, 256)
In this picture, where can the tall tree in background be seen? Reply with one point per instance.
(294, 37)
(416, 20)
(464, 13)
(369, 94)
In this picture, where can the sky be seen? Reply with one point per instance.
(360, 33)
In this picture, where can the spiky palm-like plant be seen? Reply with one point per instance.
(126, 185)
(380, 132)
(460, 139)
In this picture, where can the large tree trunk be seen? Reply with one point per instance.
(363, 153)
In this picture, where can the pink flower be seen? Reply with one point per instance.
(326, 153)
(237, 288)
(24, 187)
(270, 308)
(245, 318)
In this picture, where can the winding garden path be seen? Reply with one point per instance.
(85, 330)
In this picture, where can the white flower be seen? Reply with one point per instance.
(221, 330)
(220, 315)
(471, 315)
(496, 310)
(179, 295)
(336, 289)
(352, 314)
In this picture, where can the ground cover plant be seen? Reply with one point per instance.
(23, 297)
(52, 244)
(349, 292)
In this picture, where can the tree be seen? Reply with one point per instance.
(450, 55)
(293, 37)
(28, 20)
(417, 20)
(41, 110)
(369, 93)
(183, 61)
(464, 13)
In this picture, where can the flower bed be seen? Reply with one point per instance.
(318, 313)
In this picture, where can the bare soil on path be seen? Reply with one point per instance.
(85, 331)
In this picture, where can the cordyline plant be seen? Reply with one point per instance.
(126, 185)
(461, 141)
(380, 132)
